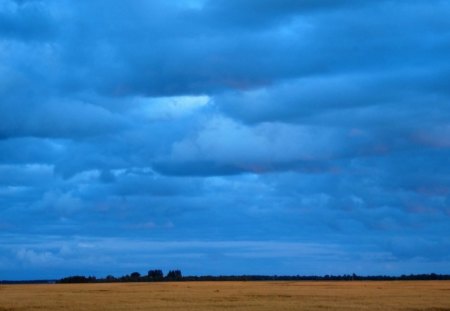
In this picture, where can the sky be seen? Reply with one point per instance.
(224, 137)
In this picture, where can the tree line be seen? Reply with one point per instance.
(152, 276)
(176, 275)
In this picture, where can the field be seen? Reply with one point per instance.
(410, 295)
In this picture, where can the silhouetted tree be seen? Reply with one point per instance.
(155, 275)
(78, 279)
(135, 276)
(174, 275)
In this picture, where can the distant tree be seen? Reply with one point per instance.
(78, 279)
(155, 275)
(174, 275)
(135, 276)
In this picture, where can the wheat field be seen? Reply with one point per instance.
(356, 295)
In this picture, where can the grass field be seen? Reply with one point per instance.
(274, 296)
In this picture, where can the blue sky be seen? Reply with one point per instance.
(224, 137)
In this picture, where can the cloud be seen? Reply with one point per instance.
(299, 100)
(25, 175)
(59, 119)
(36, 258)
(26, 20)
(234, 256)
(27, 150)
(287, 133)
(226, 146)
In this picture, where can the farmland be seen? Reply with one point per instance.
(356, 295)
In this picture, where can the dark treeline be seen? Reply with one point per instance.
(6, 282)
(152, 276)
(175, 275)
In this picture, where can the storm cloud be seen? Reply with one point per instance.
(224, 132)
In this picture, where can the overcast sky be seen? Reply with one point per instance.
(224, 137)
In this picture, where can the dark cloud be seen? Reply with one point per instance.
(30, 150)
(244, 15)
(60, 119)
(27, 20)
(298, 100)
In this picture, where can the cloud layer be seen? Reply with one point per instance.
(225, 131)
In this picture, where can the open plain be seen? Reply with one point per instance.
(355, 295)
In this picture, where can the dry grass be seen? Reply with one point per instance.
(424, 295)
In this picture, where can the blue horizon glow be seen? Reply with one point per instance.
(224, 137)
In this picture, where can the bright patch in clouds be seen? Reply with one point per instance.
(166, 108)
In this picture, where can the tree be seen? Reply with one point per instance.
(135, 275)
(155, 275)
(174, 275)
(78, 279)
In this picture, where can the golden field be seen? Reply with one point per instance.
(274, 296)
